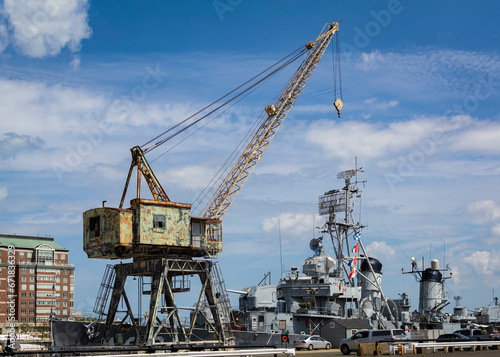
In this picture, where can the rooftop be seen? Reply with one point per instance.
(27, 242)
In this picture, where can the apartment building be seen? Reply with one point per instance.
(36, 280)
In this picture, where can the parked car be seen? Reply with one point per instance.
(447, 337)
(311, 343)
(348, 345)
(453, 337)
(477, 334)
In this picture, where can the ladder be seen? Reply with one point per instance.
(107, 282)
(223, 303)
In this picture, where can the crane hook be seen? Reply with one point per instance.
(338, 104)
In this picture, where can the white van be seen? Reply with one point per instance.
(347, 345)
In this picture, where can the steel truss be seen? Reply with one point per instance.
(163, 272)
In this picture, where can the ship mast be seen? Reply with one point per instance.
(344, 230)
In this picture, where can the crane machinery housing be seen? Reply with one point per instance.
(163, 237)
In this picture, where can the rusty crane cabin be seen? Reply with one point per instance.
(149, 228)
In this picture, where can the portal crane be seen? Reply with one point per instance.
(163, 237)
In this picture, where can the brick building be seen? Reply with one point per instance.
(35, 279)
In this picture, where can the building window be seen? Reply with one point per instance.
(21, 254)
(65, 280)
(32, 319)
(23, 295)
(23, 319)
(32, 311)
(65, 303)
(32, 286)
(24, 270)
(32, 270)
(23, 286)
(29, 254)
(65, 295)
(95, 227)
(158, 221)
(32, 303)
(45, 254)
(23, 311)
(24, 278)
(32, 295)
(32, 278)
(23, 303)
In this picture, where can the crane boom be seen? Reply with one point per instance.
(237, 176)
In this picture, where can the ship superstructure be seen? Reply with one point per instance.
(346, 285)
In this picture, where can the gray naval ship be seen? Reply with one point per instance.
(334, 297)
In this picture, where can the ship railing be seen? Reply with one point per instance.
(316, 311)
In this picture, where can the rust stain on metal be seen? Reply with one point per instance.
(149, 228)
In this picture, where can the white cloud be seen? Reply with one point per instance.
(75, 63)
(381, 249)
(386, 105)
(369, 60)
(319, 108)
(484, 137)
(4, 37)
(456, 80)
(277, 168)
(370, 104)
(291, 225)
(482, 212)
(194, 177)
(3, 193)
(496, 230)
(486, 265)
(378, 139)
(43, 28)
(58, 213)
(12, 144)
(369, 140)
(38, 109)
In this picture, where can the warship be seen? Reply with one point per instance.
(335, 296)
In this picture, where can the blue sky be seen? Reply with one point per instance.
(81, 82)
